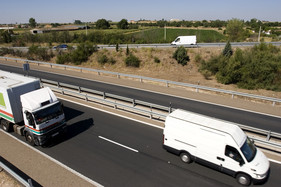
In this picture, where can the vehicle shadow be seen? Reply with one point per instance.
(71, 113)
(71, 131)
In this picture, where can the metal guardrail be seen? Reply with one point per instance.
(166, 82)
(83, 93)
(27, 183)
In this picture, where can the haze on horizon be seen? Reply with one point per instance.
(66, 11)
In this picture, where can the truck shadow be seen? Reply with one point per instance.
(72, 129)
(71, 113)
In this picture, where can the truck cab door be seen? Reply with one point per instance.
(29, 119)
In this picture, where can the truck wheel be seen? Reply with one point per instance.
(29, 139)
(186, 157)
(243, 179)
(6, 125)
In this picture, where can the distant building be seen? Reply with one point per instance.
(6, 28)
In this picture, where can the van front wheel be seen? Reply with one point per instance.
(186, 157)
(243, 179)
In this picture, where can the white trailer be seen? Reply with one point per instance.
(216, 143)
(29, 110)
(184, 40)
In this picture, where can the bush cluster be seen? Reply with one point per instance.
(132, 61)
(181, 56)
(81, 54)
(256, 68)
(34, 53)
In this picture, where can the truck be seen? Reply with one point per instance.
(216, 143)
(30, 110)
(184, 40)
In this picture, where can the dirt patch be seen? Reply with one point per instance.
(6, 180)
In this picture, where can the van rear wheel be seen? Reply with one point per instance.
(243, 179)
(186, 157)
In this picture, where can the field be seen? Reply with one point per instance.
(156, 35)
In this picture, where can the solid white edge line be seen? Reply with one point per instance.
(116, 143)
(56, 161)
(275, 161)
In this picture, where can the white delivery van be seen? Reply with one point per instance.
(216, 143)
(184, 40)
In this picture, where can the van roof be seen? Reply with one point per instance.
(224, 126)
(10, 80)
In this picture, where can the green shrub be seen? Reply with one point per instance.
(63, 58)
(156, 60)
(181, 56)
(132, 61)
(102, 59)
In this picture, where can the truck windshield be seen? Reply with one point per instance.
(249, 150)
(48, 113)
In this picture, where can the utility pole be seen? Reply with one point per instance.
(259, 35)
(165, 34)
(86, 29)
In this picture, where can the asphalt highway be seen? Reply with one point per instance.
(115, 151)
(238, 116)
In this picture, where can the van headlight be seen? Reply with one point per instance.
(260, 176)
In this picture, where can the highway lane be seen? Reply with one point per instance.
(109, 164)
(238, 116)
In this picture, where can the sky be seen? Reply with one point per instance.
(66, 11)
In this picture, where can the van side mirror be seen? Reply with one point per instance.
(241, 162)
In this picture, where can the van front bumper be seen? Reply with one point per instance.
(260, 179)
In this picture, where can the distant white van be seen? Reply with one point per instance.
(184, 40)
(216, 143)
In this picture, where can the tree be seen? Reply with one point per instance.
(77, 22)
(235, 30)
(102, 24)
(123, 24)
(227, 51)
(32, 22)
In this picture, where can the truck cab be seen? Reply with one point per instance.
(43, 116)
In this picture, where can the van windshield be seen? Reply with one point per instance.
(249, 150)
(48, 113)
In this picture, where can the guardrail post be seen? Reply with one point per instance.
(115, 106)
(232, 96)
(86, 98)
(51, 65)
(141, 80)
(268, 135)
(104, 96)
(98, 73)
(134, 103)
(273, 104)
(170, 108)
(62, 92)
(30, 182)
(58, 84)
(79, 89)
(167, 84)
(118, 76)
